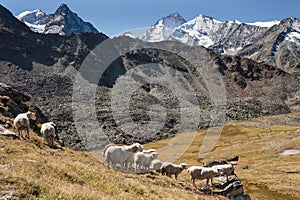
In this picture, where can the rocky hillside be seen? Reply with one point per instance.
(13, 102)
(62, 21)
(279, 45)
(45, 67)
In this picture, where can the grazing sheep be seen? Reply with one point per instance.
(156, 165)
(169, 169)
(143, 160)
(48, 131)
(120, 154)
(226, 169)
(22, 122)
(201, 173)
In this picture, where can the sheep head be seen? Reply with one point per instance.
(183, 165)
(31, 115)
(136, 147)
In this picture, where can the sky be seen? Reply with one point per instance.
(113, 17)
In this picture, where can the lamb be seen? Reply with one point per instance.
(120, 154)
(48, 131)
(143, 160)
(156, 165)
(21, 122)
(169, 169)
(201, 173)
(226, 169)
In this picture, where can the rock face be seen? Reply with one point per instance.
(45, 67)
(279, 45)
(14, 102)
(63, 21)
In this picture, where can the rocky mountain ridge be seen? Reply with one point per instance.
(63, 21)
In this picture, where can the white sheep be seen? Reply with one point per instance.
(169, 169)
(201, 173)
(226, 169)
(143, 160)
(21, 122)
(48, 131)
(120, 154)
(130, 160)
(156, 165)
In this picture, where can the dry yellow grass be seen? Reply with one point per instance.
(263, 171)
(30, 169)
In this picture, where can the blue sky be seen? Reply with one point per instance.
(115, 16)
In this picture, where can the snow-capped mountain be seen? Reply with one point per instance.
(63, 21)
(164, 28)
(279, 45)
(273, 42)
(223, 37)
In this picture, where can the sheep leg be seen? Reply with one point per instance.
(193, 182)
(211, 181)
(207, 180)
(107, 163)
(136, 168)
(176, 175)
(27, 130)
(20, 133)
(51, 142)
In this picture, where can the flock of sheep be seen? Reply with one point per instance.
(22, 122)
(135, 159)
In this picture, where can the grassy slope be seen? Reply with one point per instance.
(258, 145)
(30, 169)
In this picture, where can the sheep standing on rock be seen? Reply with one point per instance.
(169, 169)
(226, 169)
(21, 122)
(48, 131)
(201, 173)
(143, 160)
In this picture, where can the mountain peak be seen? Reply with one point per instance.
(63, 21)
(62, 9)
(164, 27)
(203, 17)
(171, 20)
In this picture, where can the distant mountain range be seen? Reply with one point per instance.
(273, 42)
(63, 21)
